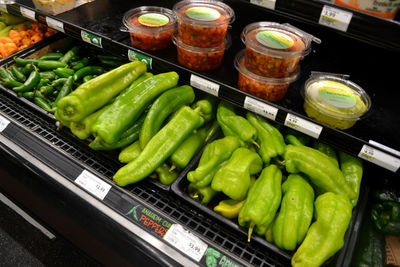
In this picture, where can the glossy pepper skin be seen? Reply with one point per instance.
(213, 155)
(352, 169)
(295, 138)
(262, 202)
(235, 125)
(160, 147)
(386, 217)
(233, 179)
(326, 235)
(82, 129)
(202, 195)
(129, 105)
(295, 214)
(165, 176)
(327, 150)
(229, 208)
(130, 152)
(206, 107)
(269, 138)
(97, 92)
(318, 167)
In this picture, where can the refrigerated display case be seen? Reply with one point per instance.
(69, 187)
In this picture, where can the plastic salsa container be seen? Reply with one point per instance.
(54, 7)
(198, 58)
(150, 27)
(334, 101)
(203, 23)
(273, 49)
(271, 89)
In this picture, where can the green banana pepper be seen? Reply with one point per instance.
(233, 179)
(295, 138)
(129, 105)
(97, 92)
(82, 129)
(352, 169)
(229, 208)
(270, 140)
(296, 213)
(262, 202)
(319, 168)
(206, 107)
(326, 235)
(160, 147)
(130, 152)
(165, 175)
(202, 195)
(386, 217)
(327, 150)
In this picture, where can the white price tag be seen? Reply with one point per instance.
(261, 108)
(186, 242)
(3, 7)
(205, 85)
(3, 123)
(304, 126)
(335, 18)
(27, 13)
(379, 158)
(265, 3)
(388, 149)
(55, 24)
(93, 184)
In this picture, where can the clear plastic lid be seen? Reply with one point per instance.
(149, 19)
(195, 49)
(279, 40)
(336, 97)
(206, 13)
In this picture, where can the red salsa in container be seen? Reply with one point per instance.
(203, 23)
(150, 27)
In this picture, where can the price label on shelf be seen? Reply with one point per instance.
(132, 56)
(388, 149)
(261, 108)
(93, 184)
(186, 242)
(204, 85)
(379, 158)
(265, 3)
(302, 125)
(3, 123)
(55, 24)
(27, 13)
(91, 38)
(335, 18)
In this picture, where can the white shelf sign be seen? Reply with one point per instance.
(335, 18)
(261, 108)
(379, 158)
(303, 125)
(186, 242)
(27, 13)
(3, 7)
(204, 85)
(91, 38)
(265, 3)
(55, 24)
(3, 123)
(388, 149)
(93, 184)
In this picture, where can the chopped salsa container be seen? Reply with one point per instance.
(203, 23)
(334, 101)
(150, 27)
(271, 89)
(273, 49)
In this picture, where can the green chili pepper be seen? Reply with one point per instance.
(59, 82)
(28, 95)
(165, 176)
(270, 140)
(233, 179)
(18, 74)
(166, 104)
(3, 73)
(326, 235)
(11, 83)
(352, 169)
(41, 102)
(24, 61)
(64, 91)
(47, 75)
(80, 64)
(82, 128)
(87, 78)
(213, 155)
(46, 90)
(386, 217)
(327, 150)
(63, 72)
(130, 152)
(42, 82)
(88, 70)
(50, 64)
(229, 208)
(206, 107)
(320, 169)
(69, 55)
(28, 68)
(110, 61)
(160, 147)
(129, 105)
(235, 125)
(262, 202)
(30, 83)
(52, 56)
(97, 92)
(295, 214)
(202, 195)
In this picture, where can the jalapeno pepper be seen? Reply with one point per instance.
(64, 91)
(28, 95)
(41, 102)
(110, 61)
(46, 90)
(59, 82)
(386, 217)
(63, 72)
(24, 61)
(50, 64)
(88, 70)
(18, 74)
(28, 68)
(52, 56)
(69, 55)
(29, 84)
(82, 63)
(11, 83)
(47, 75)
(87, 78)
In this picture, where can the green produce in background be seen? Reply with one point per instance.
(202, 195)
(269, 138)
(97, 92)
(233, 179)
(326, 235)
(295, 138)
(319, 168)
(130, 152)
(229, 208)
(386, 217)
(327, 150)
(262, 202)
(296, 213)
(129, 105)
(352, 170)
(11, 19)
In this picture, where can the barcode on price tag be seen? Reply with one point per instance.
(186, 242)
(27, 13)
(3, 123)
(55, 24)
(204, 85)
(261, 108)
(379, 158)
(303, 126)
(93, 184)
(265, 3)
(335, 18)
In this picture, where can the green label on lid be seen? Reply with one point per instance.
(153, 20)
(202, 13)
(273, 39)
(337, 95)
